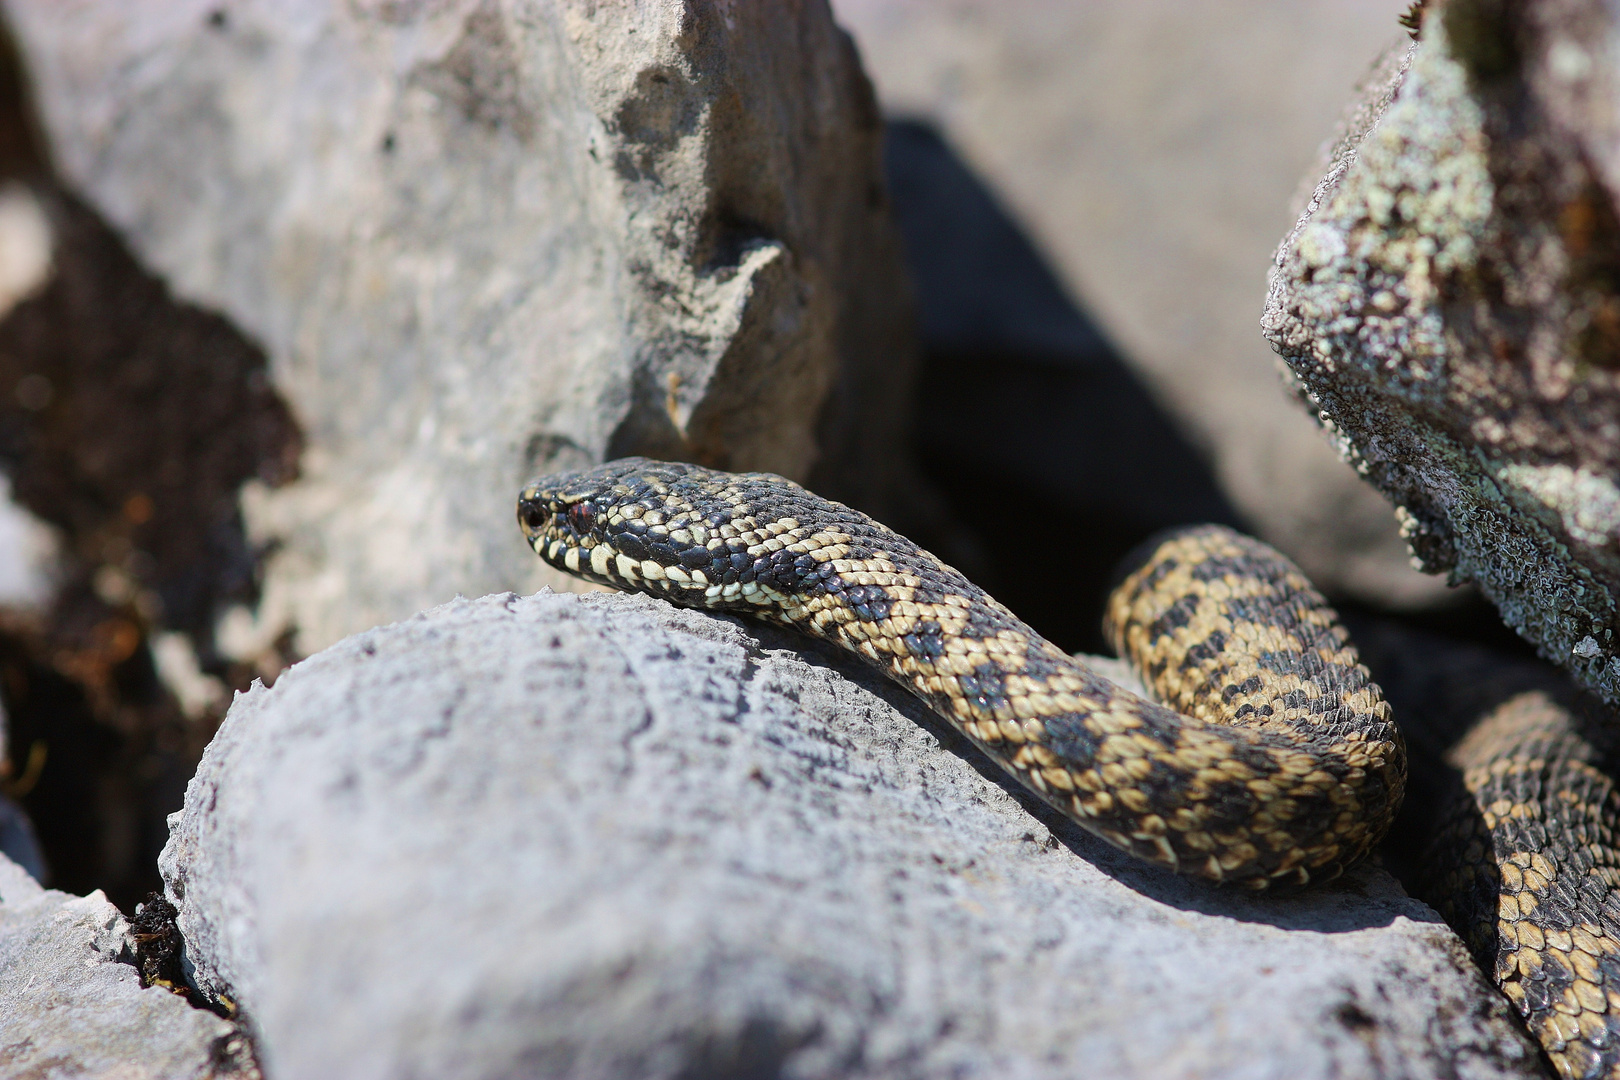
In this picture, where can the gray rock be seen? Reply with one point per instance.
(1448, 304)
(484, 240)
(598, 836)
(71, 1003)
(1151, 150)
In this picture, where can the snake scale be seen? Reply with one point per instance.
(1269, 759)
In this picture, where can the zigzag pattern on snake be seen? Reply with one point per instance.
(1272, 760)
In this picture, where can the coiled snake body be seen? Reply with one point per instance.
(1274, 759)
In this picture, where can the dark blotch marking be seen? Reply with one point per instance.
(1176, 616)
(1251, 685)
(987, 686)
(927, 640)
(631, 545)
(1208, 649)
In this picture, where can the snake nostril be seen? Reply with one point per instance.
(533, 516)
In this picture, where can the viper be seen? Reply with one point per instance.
(1266, 757)
(1273, 758)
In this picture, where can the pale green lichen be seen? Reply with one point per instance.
(1411, 210)
(1588, 504)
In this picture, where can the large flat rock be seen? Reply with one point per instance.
(598, 836)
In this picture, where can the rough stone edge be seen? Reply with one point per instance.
(1442, 490)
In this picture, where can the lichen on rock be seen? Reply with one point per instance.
(1449, 305)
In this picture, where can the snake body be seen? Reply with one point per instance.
(1273, 759)
(1525, 866)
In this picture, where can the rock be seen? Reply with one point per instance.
(128, 422)
(1450, 303)
(600, 836)
(479, 241)
(1147, 152)
(72, 1005)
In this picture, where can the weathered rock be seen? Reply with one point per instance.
(1450, 301)
(599, 836)
(481, 240)
(1147, 150)
(72, 1005)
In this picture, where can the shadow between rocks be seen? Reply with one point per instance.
(1439, 689)
(1051, 458)
(129, 421)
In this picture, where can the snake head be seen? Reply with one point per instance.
(681, 532)
(564, 518)
(634, 524)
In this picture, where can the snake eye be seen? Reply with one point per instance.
(581, 515)
(533, 514)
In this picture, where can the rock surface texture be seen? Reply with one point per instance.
(482, 240)
(1450, 302)
(598, 836)
(72, 1005)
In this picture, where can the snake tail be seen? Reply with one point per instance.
(1273, 761)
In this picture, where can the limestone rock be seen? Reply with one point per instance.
(599, 836)
(1450, 302)
(482, 240)
(1150, 154)
(71, 1004)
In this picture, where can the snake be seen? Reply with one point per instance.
(1269, 759)
(1266, 757)
(1523, 857)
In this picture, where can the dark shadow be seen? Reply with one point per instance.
(1050, 455)
(760, 1050)
(131, 420)
(1439, 688)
